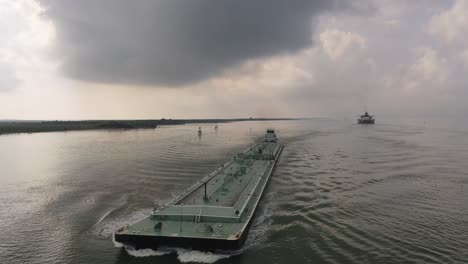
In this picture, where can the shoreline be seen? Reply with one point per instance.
(21, 127)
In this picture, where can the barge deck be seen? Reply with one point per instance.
(216, 212)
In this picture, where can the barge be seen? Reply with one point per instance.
(215, 213)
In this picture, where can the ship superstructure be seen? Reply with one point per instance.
(270, 136)
(366, 119)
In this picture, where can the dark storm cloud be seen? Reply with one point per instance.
(175, 42)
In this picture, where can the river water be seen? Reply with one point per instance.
(341, 193)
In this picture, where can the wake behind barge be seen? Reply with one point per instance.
(216, 212)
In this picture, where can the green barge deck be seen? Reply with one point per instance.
(216, 212)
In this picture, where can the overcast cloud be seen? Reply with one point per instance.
(176, 42)
(123, 59)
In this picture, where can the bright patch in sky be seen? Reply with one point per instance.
(398, 58)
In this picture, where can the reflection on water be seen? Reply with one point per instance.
(341, 193)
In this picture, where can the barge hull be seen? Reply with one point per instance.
(202, 244)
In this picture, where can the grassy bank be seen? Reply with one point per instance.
(11, 127)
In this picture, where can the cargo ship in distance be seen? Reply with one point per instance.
(215, 213)
(366, 119)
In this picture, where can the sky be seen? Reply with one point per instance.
(151, 59)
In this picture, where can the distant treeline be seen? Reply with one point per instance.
(10, 127)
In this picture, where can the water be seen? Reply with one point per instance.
(341, 193)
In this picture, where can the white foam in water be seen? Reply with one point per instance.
(109, 226)
(184, 255)
(147, 252)
(117, 244)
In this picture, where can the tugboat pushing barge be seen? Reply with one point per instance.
(216, 212)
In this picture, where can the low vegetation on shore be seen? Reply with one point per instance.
(11, 127)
